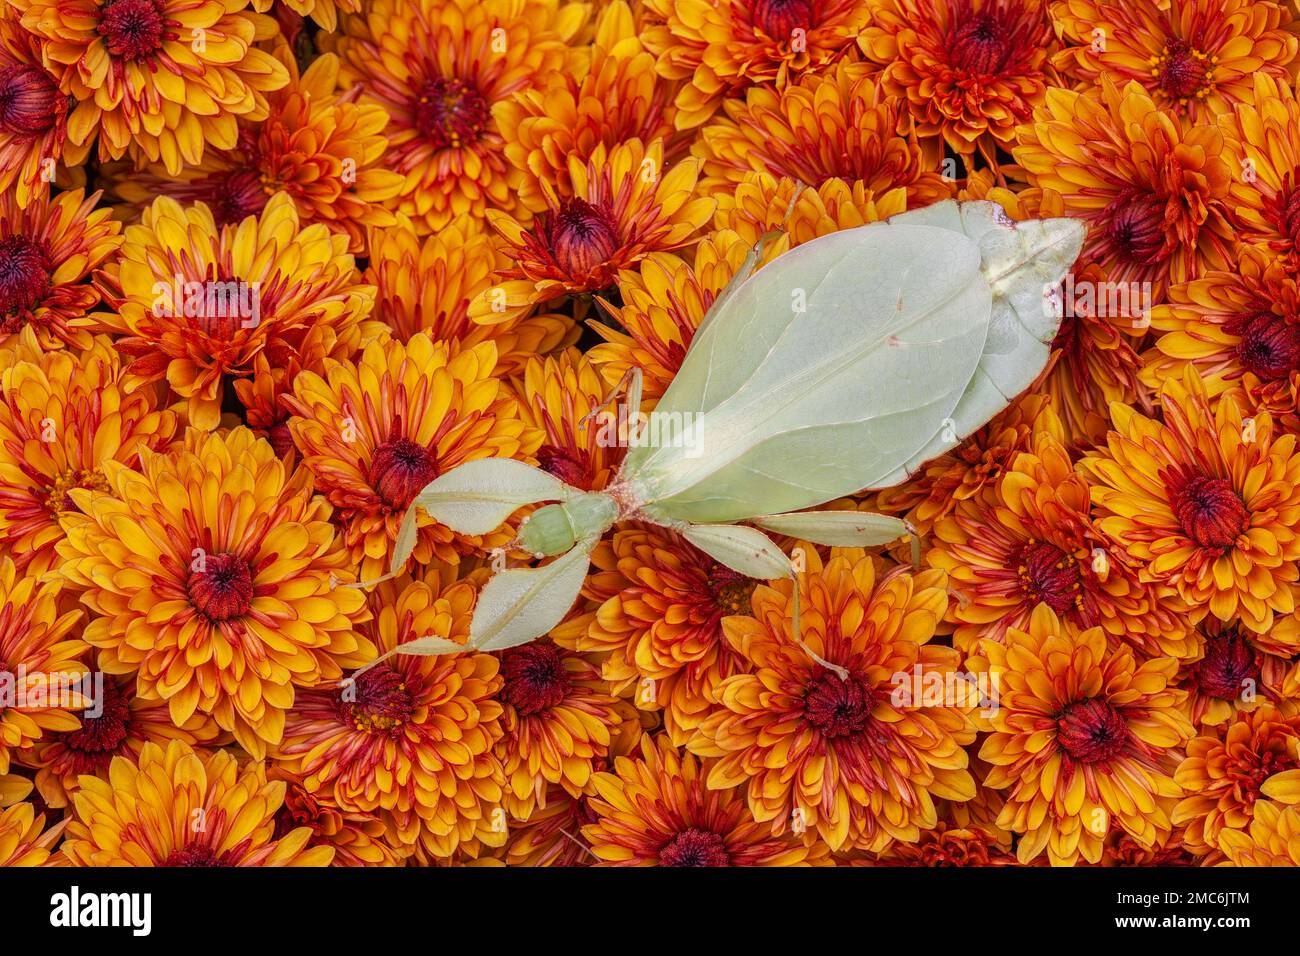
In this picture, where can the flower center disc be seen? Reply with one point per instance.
(1229, 660)
(27, 98)
(132, 29)
(980, 45)
(1210, 511)
(105, 733)
(380, 701)
(450, 113)
(399, 471)
(535, 678)
(24, 274)
(583, 236)
(1183, 72)
(223, 589)
(695, 847)
(1092, 731)
(838, 708)
(778, 19)
(1049, 575)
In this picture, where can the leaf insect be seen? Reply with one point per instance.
(914, 332)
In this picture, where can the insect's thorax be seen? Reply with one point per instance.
(554, 529)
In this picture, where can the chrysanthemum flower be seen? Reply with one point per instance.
(324, 12)
(1239, 330)
(969, 70)
(40, 657)
(62, 415)
(162, 77)
(412, 737)
(661, 604)
(617, 97)
(959, 475)
(1030, 539)
(181, 807)
(358, 839)
(1273, 839)
(1082, 739)
(559, 721)
(1122, 850)
(552, 836)
(1205, 503)
(375, 431)
(661, 809)
(836, 125)
(447, 285)
(1194, 58)
(47, 251)
(1235, 671)
(126, 723)
(1262, 145)
(1226, 772)
(1154, 195)
(33, 114)
(211, 570)
(318, 145)
(850, 760)
(24, 841)
(438, 67)
(947, 845)
(624, 206)
(555, 396)
(198, 302)
(720, 49)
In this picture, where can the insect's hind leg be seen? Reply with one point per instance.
(632, 383)
(796, 630)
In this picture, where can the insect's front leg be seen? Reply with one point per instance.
(632, 383)
(843, 529)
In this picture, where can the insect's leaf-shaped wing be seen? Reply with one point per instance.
(745, 550)
(522, 604)
(802, 407)
(1023, 264)
(478, 496)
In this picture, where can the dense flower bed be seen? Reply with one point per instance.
(441, 231)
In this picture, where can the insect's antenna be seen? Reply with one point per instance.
(797, 630)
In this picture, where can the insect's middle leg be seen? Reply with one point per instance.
(631, 382)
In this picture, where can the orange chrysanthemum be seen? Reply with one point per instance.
(970, 71)
(947, 845)
(446, 284)
(1236, 671)
(324, 12)
(375, 431)
(39, 662)
(319, 146)
(837, 125)
(181, 807)
(658, 810)
(125, 723)
(438, 67)
(661, 604)
(1273, 839)
(851, 761)
(412, 737)
(1239, 330)
(48, 251)
(1031, 539)
(552, 835)
(559, 721)
(1226, 772)
(617, 97)
(624, 206)
(1207, 504)
(211, 569)
(358, 839)
(33, 115)
(1262, 146)
(197, 302)
(1082, 739)
(1154, 195)
(720, 49)
(1194, 57)
(62, 415)
(24, 841)
(163, 78)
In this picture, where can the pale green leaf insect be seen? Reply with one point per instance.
(843, 365)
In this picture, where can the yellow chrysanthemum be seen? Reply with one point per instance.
(24, 841)
(198, 303)
(662, 809)
(624, 206)
(411, 738)
(446, 284)
(1083, 739)
(48, 250)
(1273, 839)
(40, 661)
(1207, 504)
(211, 569)
(317, 144)
(375, 431)
(1194, 57)
(34, 118)
(62, 416)
(852, 761)
(181, 807)
(836, 125)
(720, 49)
(438, 67)
(163, 78)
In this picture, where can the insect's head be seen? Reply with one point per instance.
(554, 529)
